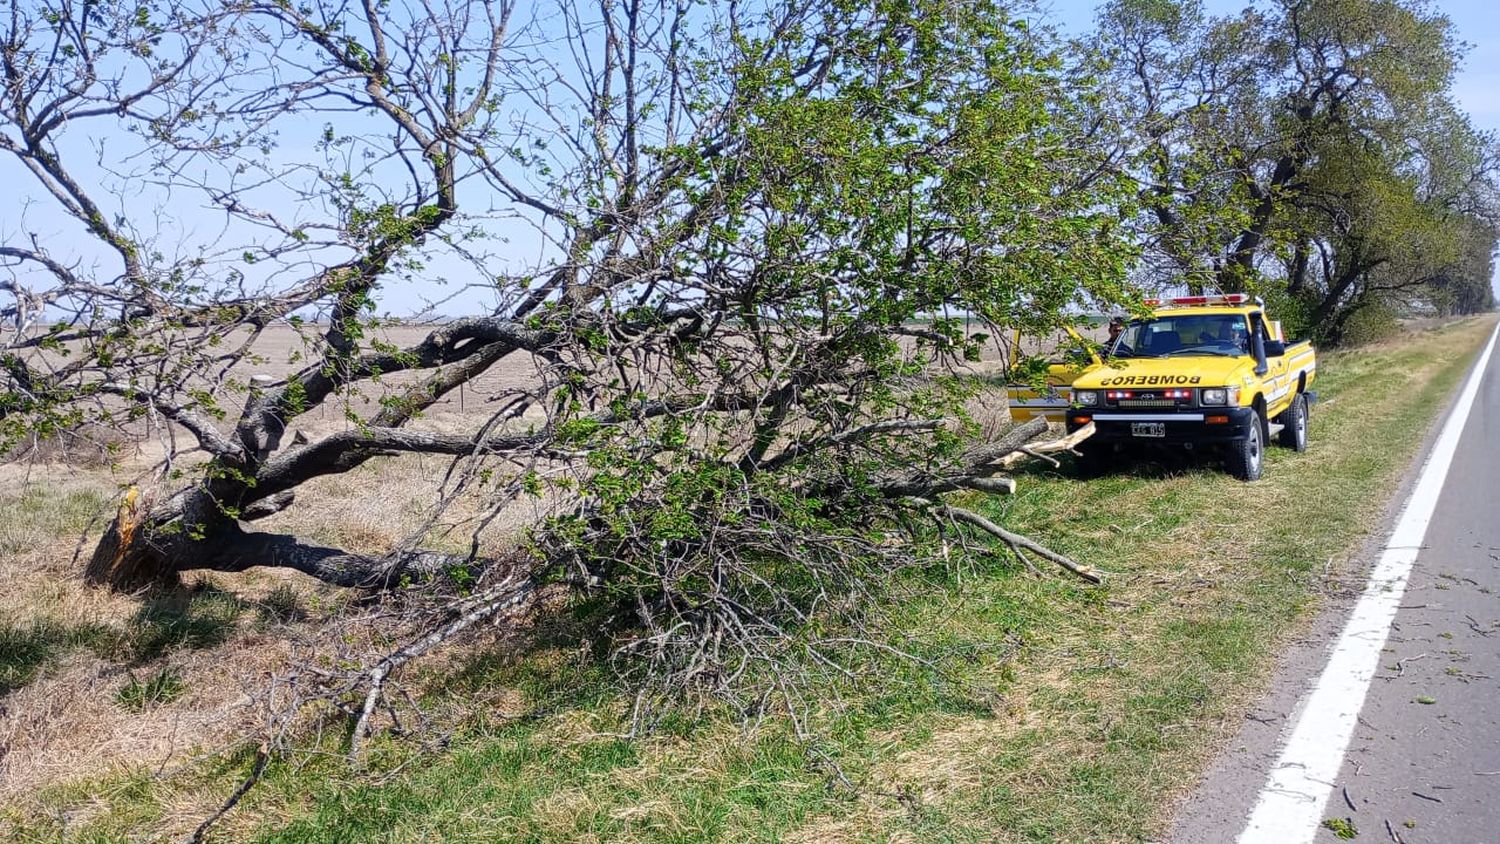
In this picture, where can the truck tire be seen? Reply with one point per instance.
(1294, 425)
(1247, 456)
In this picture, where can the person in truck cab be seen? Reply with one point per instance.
(1229, 332)
(1239, 335)
(1184, 335)
(1116, 326)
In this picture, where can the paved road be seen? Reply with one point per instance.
(1425, 752)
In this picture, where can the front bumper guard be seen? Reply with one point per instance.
(1189, 425)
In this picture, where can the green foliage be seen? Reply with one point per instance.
(385, 223)
(1465, 286)
(1295, 311)
(161, 687)
(1313, 148)
(1342, 828)
(873, 226)
(1368, 322)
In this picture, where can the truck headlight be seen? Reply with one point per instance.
(1219, 396)
(1086, 398)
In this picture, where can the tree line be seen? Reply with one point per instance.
(1311, 152)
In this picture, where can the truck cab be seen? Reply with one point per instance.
(1210, 371)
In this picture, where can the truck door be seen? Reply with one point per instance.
(1278, 389)
(1066, 357)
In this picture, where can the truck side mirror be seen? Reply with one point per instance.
(1275, 348)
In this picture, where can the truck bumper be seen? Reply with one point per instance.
(1198, 425)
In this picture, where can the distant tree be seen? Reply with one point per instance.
(1386, 223)
(1466, 286)
(1309, 146)
(738, 249)
(1179, 86)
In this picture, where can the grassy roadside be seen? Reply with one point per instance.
(1082, 711)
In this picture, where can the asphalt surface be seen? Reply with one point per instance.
(1425, 755)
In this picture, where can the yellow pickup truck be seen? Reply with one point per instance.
(1201, 371)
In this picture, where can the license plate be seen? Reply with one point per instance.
(1148, 429)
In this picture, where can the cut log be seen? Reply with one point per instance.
(1067, 443)
(994, 486)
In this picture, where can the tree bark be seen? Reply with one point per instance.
(1297, 277)
(149, 545)
(1329, 305)
(1241, 259)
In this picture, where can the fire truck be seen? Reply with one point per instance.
(1201, 371)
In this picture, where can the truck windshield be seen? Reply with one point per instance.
(1187, 334)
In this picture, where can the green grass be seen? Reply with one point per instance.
(27, 649)
(160, 687)
(191, 618)
(1342, 828)
(199, 616)
(1072, 713)
(178, 622)
(40, 514)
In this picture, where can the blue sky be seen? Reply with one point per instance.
(1478, 83)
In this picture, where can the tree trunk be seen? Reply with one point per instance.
(1323, 315)
(121, 560)
(1239, 267)
(1297, 276)
(149, 545)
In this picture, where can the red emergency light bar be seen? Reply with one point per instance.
(1217, 299)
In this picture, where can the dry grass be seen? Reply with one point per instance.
(91, 447)
(1115, 700)
(75, 647)
(223, 635)
(70, 723)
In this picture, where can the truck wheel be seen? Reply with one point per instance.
(1247, 455)
(1294, 425)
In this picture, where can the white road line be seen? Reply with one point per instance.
(1290, 806)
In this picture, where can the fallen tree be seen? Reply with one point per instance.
(758, 246)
